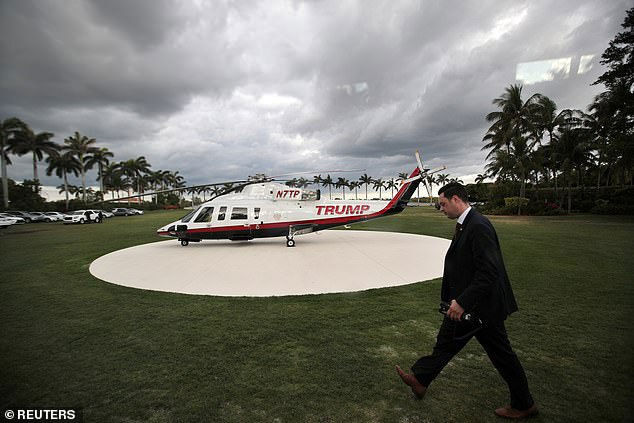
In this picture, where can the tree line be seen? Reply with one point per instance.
(76, 156)
(532, 141)
(366, 181)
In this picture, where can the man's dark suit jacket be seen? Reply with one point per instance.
(474, 273)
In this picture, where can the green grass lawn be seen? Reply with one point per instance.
(127, 355)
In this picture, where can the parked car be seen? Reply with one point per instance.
(28, 217)
(41, 217)
(135, 211)
(82, 216)
(122, 211)
(106, 213)
(18, 220)
(56, 216)
(5, 222)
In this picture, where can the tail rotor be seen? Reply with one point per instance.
(422, 171)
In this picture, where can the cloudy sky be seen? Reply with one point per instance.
(221, 90)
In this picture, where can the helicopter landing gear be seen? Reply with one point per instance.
(184, 242)
(298, 230)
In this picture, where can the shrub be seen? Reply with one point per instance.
(613, 209)
(515, 201)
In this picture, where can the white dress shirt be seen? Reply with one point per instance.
(463, 216)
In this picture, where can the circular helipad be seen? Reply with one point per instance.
(322, 262)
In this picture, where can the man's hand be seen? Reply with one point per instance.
(455, 311)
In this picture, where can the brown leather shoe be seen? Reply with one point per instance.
(410, 380)
(511, 413)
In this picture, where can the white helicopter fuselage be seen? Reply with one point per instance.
(271, 209)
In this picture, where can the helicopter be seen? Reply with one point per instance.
(260, 207)
(265, 208)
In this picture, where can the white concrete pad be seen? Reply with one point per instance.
(322, 262)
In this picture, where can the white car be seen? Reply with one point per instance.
(6, 222)
(136, 211)
(82, 216)
(56, 216)
(18, 220)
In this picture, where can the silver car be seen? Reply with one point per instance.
(41, 217)
(28, 217)
(56, 216)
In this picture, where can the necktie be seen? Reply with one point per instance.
(457, 230)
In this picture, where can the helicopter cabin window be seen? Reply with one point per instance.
(239, 213)
(221, 213)
(205, 215)
(256, 213)
(189, 215)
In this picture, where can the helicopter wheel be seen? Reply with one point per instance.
(184, 242)
(290, 243)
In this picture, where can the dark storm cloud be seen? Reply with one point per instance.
(222, 90)
(131, 55)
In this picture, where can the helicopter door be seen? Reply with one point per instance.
(240, 217)
(203, 219)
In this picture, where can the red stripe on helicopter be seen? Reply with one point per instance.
(339, 220)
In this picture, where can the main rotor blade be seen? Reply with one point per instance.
(420, 163)
(313, 172)
(165, 191)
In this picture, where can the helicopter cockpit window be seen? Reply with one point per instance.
(221, 213)
(189, 215)
(239, 213)
(205, 215)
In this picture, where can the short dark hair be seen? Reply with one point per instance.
(454, 188)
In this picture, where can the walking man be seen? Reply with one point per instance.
(474, 282)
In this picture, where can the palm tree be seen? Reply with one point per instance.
(118, 182)
(402, 176)
(391, 184)
(317, 180)
(378, 183)
(100, 158)
(227, 187)
(600, 121)
(62, 165)
(133, 169)
(515, 119)
(192, 191)
(302, 183)
(175, 180)
(216, 191)
(365, 180)
(574, 154)
(342, 183)
(547, 119)
(110, 172)
(353, 185)
(480, 178)
(430, 180)
(442, 178)
(26, 141)
(81, 146)
(8, 129)
(327, 182)
(69, 189)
